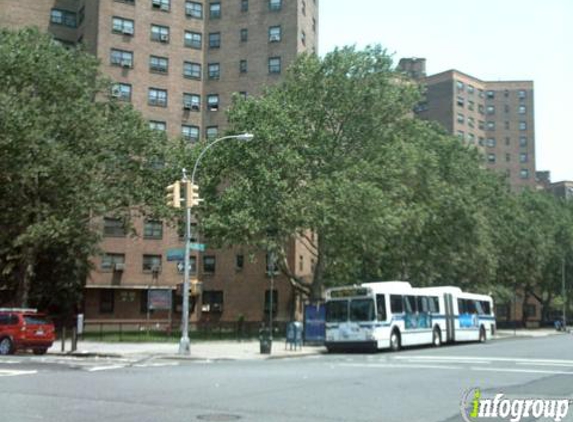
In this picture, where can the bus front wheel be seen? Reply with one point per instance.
(395, 342)
(482, 335)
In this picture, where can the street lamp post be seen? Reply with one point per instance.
(184, 343)
(564, 294)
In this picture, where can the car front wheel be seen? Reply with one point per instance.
(6, 346)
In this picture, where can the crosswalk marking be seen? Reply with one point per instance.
(14, 373)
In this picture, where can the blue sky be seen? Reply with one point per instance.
(488, 39)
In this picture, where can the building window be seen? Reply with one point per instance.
(274, 65)
(471, 138)
(158, 64)
(192, 102)
(122, 26)
(63, 17)
(151, 263)
(507, 157)
(157, 97)
(490, 95)
(481, 109)
(164, 5)
(156, 125)
(121, 58)
(303, 37)
(461, 135)
(193, 40)
(209, 264)
(244, 34)
(106, 301)
(460, 118)
(521, 94)
(212, 132)
(521, 109)
(490, 142)
(274, 299)
(192, 266)
(522, 125)
(506, 108)
(192, 70)
(275, 33)
(490, 125)
(121, 91)
(491, 158)
(490, 110)
(212, 301)
(214, 70)
(522, 141)
(213, 102)
(190, 133)
(239, 262)
(275, 5)
(460, 85)
(471, 89)
(130, 2)
(506, 125)
(214, 40)
(524, 174)
(523, 157)
(243, 66)
(460, 101)
(471, 122)
(215, 10)
(244, 5)
(113, 227)
(507, 141)
(194, 9)
(112, 261)
(471, 105)
(481, 124)
(159, 33)
(153, 229)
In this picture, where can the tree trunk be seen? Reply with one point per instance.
(27, 274)
(318, 277)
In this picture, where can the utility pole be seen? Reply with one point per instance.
(564, 293)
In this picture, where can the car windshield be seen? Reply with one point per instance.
(337, 311)
(362, 310)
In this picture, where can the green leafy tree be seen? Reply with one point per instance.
(70, 154)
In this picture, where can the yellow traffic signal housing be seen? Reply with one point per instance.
(192, 195)
(173, 196)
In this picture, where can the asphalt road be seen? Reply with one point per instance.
(422, 384)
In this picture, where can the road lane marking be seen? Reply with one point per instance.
(480, 359)
(14, 373)
(105, 368)
(522, 371)
(398, 365)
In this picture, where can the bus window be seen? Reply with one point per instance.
(337, 311)
(381, 307)
(485, 305)
(410, 304)
(361, 310)
(423, 304)
(396, 305)
(434, 305)
(462, 308)
(471, 305)
(479, 307)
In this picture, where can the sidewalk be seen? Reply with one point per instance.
(200, 350)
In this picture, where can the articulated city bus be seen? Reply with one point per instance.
(393, 314)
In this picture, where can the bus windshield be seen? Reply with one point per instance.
(361, 310)
(337, 311)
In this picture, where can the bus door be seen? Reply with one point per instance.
(450, 318)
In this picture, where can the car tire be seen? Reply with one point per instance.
(40, 351)
(436, 337)
(395, 341)
(6, 346)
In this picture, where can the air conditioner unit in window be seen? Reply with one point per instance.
(115, 92)
(156, 3)
(165, 7)
(119, 266)
(126, 63)
(205, 308)
(128, 30)
(217, 307)
(164, 37)
(187, 105)
(274, 38)
(213, 107)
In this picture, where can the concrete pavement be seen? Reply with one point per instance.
(226, 349)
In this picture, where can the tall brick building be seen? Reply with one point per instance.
(180, 62)
(496, 116)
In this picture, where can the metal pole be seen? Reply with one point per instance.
(271, 295)
(564, 293)
(184, 343)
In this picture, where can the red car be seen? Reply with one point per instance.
(25, 329)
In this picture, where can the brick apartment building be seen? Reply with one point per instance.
(179, 62)
(497, 117)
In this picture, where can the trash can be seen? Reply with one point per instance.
(265, 341)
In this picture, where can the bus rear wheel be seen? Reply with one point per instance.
(395, 342)
(437, 337)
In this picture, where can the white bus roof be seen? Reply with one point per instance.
(388, 286)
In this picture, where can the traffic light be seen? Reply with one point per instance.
(192, 195)
(173, 196)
